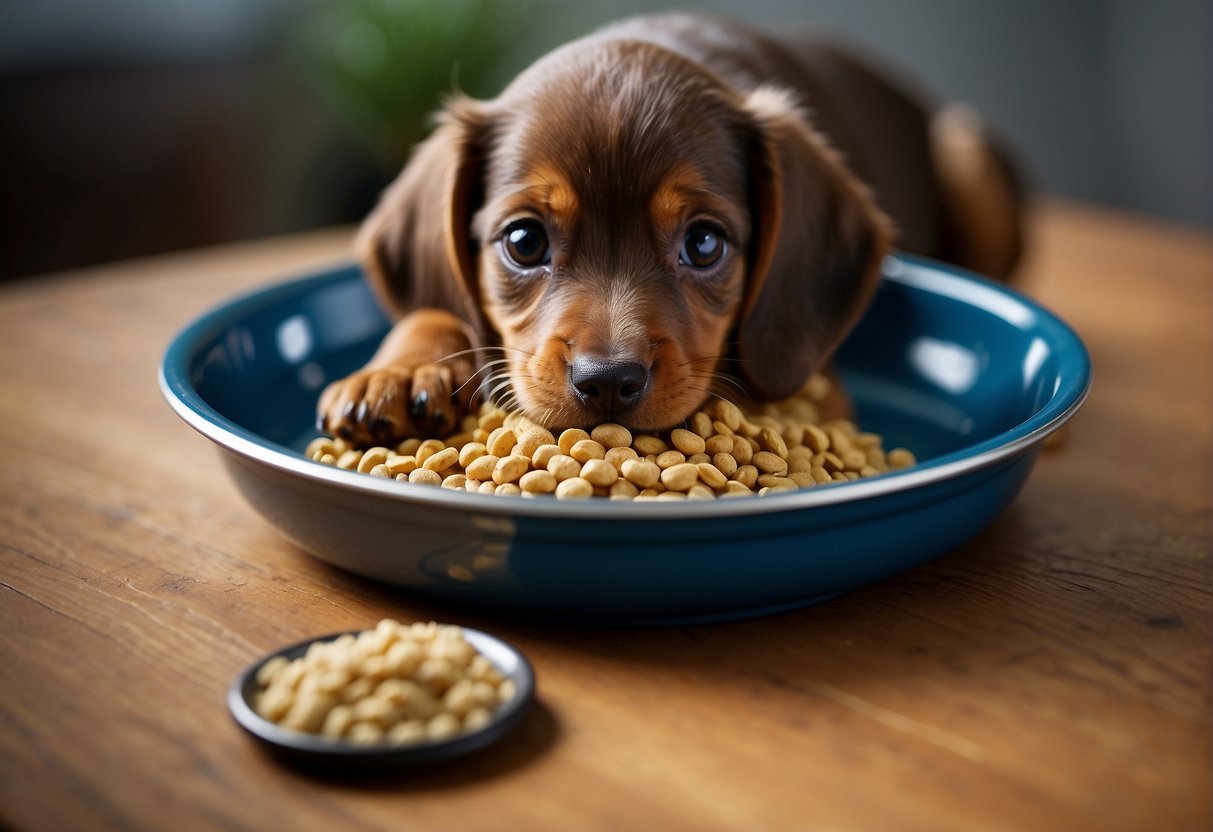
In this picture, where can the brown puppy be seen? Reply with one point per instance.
(672, 207)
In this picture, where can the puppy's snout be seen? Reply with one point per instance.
(613, 387)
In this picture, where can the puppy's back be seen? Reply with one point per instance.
(953, 193)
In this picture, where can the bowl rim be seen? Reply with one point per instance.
(910, 270)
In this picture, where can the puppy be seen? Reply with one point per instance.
(671, 207)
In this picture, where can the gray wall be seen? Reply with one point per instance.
(1104, 100)
(132, 126)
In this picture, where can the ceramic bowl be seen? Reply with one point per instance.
(315, 750)
(969, 375)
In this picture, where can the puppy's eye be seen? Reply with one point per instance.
(701, 247)
(526, 244)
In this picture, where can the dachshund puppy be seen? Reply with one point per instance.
(671, 207)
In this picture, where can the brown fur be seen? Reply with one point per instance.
(618, 144)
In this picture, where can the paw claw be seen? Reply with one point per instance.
(421, 405)
(386, 404)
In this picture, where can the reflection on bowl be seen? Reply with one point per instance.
(967, 374)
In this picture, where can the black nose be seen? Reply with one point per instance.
(612, 386)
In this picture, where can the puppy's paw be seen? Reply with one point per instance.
(383, 405)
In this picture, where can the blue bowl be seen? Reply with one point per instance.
(966, 373)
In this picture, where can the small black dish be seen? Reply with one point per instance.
(315, 751)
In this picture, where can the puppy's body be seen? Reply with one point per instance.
(671, 207)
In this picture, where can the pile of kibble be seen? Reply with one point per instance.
(721, 452)
(397, 684)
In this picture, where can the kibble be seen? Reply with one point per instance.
(618, 455)
(372, 457)
(610, 435)
(686, 441)
(670, 458)
(428, 448)
(574, 488)
(543, 455)
(470, 452)
(501, 442)
(533, 439)
(680, 477)
(641, 472)
(510, 469)
(586, 449)
(770, 463)
(599, 472)
(621, 489)
(425, 476)
(711, 476)
(742, 451)
(646, 445)
(569, 438)
(719, 452)
(537, 482)
(747, 475)
(441, 460)
(725, 464)
(564, 467)
(395, 684)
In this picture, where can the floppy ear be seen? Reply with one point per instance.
(416, 246)
(815, 254)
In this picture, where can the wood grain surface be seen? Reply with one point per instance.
(1053, 674)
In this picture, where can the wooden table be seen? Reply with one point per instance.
(1051, 675)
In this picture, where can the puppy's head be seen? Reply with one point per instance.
(636, 235)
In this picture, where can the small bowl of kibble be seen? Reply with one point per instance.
(957, 381)
(395, 695)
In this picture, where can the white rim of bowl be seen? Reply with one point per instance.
(227, 435)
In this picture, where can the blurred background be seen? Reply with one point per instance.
(129, 127)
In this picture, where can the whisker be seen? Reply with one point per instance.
(717, 381)
(488, 367)
(700, 359)
(480, 350)
(502, 385)
(491, 381)
(469, 351)
(735, 359)
(471, 378)
(718, 384)
(723, 379)
(491, 394)
(484, 383)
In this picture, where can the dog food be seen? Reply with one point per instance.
(720, 453)
(396, 684)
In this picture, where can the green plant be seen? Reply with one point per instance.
(384, 65)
